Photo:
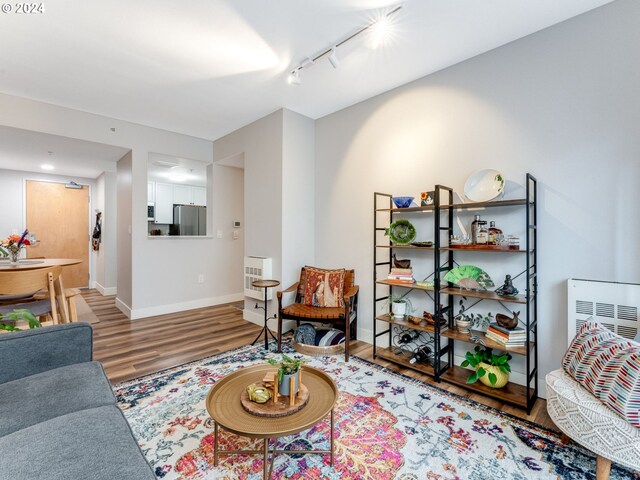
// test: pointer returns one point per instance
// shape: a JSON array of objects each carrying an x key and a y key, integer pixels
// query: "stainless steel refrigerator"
[{"x": 189, "y": 220}]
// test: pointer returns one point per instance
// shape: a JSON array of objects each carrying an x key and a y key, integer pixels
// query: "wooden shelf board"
[
  {"x": 483, "y": 249},
  {"x": 407, "y": 210},
  {"x": 404, "y": 285},
  {"x": 499, "y": 203},
  {"x": 464, "y": 337},
  {"x": 403, "y": 360},
  {"x": 405, "y": 246},
  {"x": 512, "y": 393},
  {"x": 423, "y": 326},
  {"x": 485, "y": 295}
]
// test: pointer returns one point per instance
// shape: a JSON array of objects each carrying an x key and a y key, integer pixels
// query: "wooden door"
[{"x": 59, "y": 217}]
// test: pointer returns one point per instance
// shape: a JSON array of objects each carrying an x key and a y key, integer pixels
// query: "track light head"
[
  {"x": 294, "y": 77},
  {"x": 333, "y": 58}
]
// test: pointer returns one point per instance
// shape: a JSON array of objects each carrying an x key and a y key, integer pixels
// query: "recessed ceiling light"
[{"x": 47, "y": 166}]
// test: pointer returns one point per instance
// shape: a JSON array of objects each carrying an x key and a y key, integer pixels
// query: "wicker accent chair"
[{"x": 345, "y": 319}]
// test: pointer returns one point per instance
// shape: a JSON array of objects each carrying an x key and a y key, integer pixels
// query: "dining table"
[{"x": 37, "y": 263}]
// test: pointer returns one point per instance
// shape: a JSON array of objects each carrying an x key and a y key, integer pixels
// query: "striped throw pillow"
[{"x": 608, "y": 366}]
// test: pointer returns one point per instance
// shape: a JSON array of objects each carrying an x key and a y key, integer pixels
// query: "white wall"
[
  {"x": 12, "y": 217},
  {"x": 162, "y": 280},
  {"x": 563, "y": 104},
  {"x": 278, "y": 153},
  {"x": 106, "y": 257},
  {"x": 298, "y": 195},
  {"x": 124, "y": 188}
]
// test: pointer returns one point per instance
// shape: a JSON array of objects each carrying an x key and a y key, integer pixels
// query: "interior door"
[{"x": 59, "y": 217}]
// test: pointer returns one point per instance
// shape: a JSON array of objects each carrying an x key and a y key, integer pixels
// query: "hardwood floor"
[{"x": 129, "y": 349}]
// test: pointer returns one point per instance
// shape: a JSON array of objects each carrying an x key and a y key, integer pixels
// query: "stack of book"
[
  {"x": 401, "y": 276},
  {"x": 507, "y": 338}
]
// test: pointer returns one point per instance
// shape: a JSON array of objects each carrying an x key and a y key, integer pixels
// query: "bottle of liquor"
[
  {"x": 474, "y": 229},
  {"x": 408, "y": 337},
  {"x": 493, "y": 233},
  {"x": 422, "y": 355},
  {"x": 482, "y": 237}
]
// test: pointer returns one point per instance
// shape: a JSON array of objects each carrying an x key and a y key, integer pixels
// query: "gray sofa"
[{"x": 58, "y": 414}]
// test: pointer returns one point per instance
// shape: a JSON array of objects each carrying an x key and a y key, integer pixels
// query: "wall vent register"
[{"x": 257, "y": 268}]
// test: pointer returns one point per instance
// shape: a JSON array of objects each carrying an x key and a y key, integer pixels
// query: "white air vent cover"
[
  {"x": 614, "y": 305},
  {"x": 257, "y": 268}
]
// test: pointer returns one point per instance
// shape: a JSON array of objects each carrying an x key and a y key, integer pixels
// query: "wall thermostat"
[{"x": 236, "y": 224}]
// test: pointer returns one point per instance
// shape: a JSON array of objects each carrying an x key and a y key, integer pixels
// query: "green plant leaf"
[
  {"x": 506, "y": 367},
  {"x": 481, "y": 372},
  {"x": 472, "y": 378},
  {"x": 465, "y": 364},
  {"x": 493, "y": 378}
]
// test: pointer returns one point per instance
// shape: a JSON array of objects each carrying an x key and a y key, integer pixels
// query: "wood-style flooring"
[{"x": 129, "y": 349}]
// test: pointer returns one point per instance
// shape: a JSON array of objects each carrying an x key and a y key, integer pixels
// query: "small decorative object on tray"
[
  {"x": 415, "y": 320},
  {"x": 401, "y": 232},
  {"x": 425, "y": 284},
  {"x": 402, "y": 202},
  {"x": 462, "y": 324},
  {"x": 258, "y": 394},
  {"x": 469, "y": 277},
  {"x": 279, "y": 405},
  {"x": 507, "y": 322},
  {"x": 427, "y": 198},
  {"x": 422, "y": 244},
  {"x": 507, "y": 289},
  {"x": 429, "y": 318}
]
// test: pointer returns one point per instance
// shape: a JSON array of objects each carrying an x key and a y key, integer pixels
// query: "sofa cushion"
[
  {"x": 323, "y": 288},
  {"x": 608, "y": 366},
  {"x": 49, "y": 394},
  {"x": 92, "y": 444}
]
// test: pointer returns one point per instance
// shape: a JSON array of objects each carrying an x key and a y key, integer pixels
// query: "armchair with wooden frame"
[{"x": 344, "y": 318}]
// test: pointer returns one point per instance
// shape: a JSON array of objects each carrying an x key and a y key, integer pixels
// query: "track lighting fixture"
[
  {"x": 333, "y": 58},
  {"x": 379, "y": 28}
]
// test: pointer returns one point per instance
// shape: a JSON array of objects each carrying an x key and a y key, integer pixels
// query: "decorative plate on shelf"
[
  {"x": 469, "y": 277},
  {"x": 484, "y": 185},
  {"x": 422, "y": 244},
  {"x": 401, "y": 232}
]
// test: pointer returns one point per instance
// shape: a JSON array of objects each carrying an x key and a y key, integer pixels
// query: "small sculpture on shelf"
[
  {"x": 401, "y": 263},
  {"x": 508, "y": 322},
  {"x": 507, "y": 289}
]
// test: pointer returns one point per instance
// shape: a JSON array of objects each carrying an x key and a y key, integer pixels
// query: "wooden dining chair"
[{"x": 18, "y": 283}]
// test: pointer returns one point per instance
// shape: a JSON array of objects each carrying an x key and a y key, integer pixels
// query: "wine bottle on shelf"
[
  {"x": 482, "y": 236},
  {"x": 474, "y": 229},
  {"x": 421, "y": 355},
  {"x": 408, "y": 337},
  {"x": 493, "y": 233}
]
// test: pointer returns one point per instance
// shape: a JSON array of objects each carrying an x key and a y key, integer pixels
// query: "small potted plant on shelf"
[
  {"x": 401, "y": 305},
  {"x": 287, "y": 368},
  {"x": 8, "y": 321},
  {"x": 492, "y": 370}
]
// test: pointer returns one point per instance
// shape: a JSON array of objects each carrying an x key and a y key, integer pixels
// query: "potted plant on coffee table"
[
  {"x": 287, "y": 368},
  {"x": 492, "y": 370}
]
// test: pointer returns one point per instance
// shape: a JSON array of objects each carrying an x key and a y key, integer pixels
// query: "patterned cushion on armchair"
[{"x": 608, "y": 366}]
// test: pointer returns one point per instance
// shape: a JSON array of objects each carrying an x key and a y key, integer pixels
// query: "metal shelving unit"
[{"x": 442, "y": 296}]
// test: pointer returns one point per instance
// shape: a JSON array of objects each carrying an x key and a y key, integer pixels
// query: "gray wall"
[{"x": 563, "y": 103}]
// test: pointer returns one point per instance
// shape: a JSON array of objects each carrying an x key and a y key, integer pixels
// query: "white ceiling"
[
  {"x": 27, "y": 151},
  {"x": 208, "y": 67},
  {"x": 170, "y": 169}
]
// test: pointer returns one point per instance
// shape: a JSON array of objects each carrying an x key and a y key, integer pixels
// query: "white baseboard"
[
  {"x": 105, "y": 290},
  {"x": 183, "y": 306},
  {"x": 123, "y": 307}
]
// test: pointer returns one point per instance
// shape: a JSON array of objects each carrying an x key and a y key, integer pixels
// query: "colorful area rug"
[{"x": 388, "y": 426}]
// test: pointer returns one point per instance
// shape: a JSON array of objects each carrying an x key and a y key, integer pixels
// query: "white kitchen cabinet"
[
  {"x": 164, "y": 203},
  {"x": 199, "y": 196},
  {"x": 182, "y": 195},
  {"x": 151, "y": 192}
]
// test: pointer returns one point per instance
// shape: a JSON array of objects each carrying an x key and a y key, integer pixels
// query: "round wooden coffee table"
[{"x": 223, "y": 404}]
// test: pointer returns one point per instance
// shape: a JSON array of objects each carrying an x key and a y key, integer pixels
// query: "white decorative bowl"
[{"x": 484, "y": 185}]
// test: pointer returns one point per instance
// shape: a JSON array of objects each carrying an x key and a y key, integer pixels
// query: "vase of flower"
[
  {"x": 14, "y": 255},
  {"x": 13, "y": 244}
]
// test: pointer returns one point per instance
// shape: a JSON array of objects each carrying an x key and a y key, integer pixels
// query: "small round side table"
[{"x": 266, "y": 284}]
